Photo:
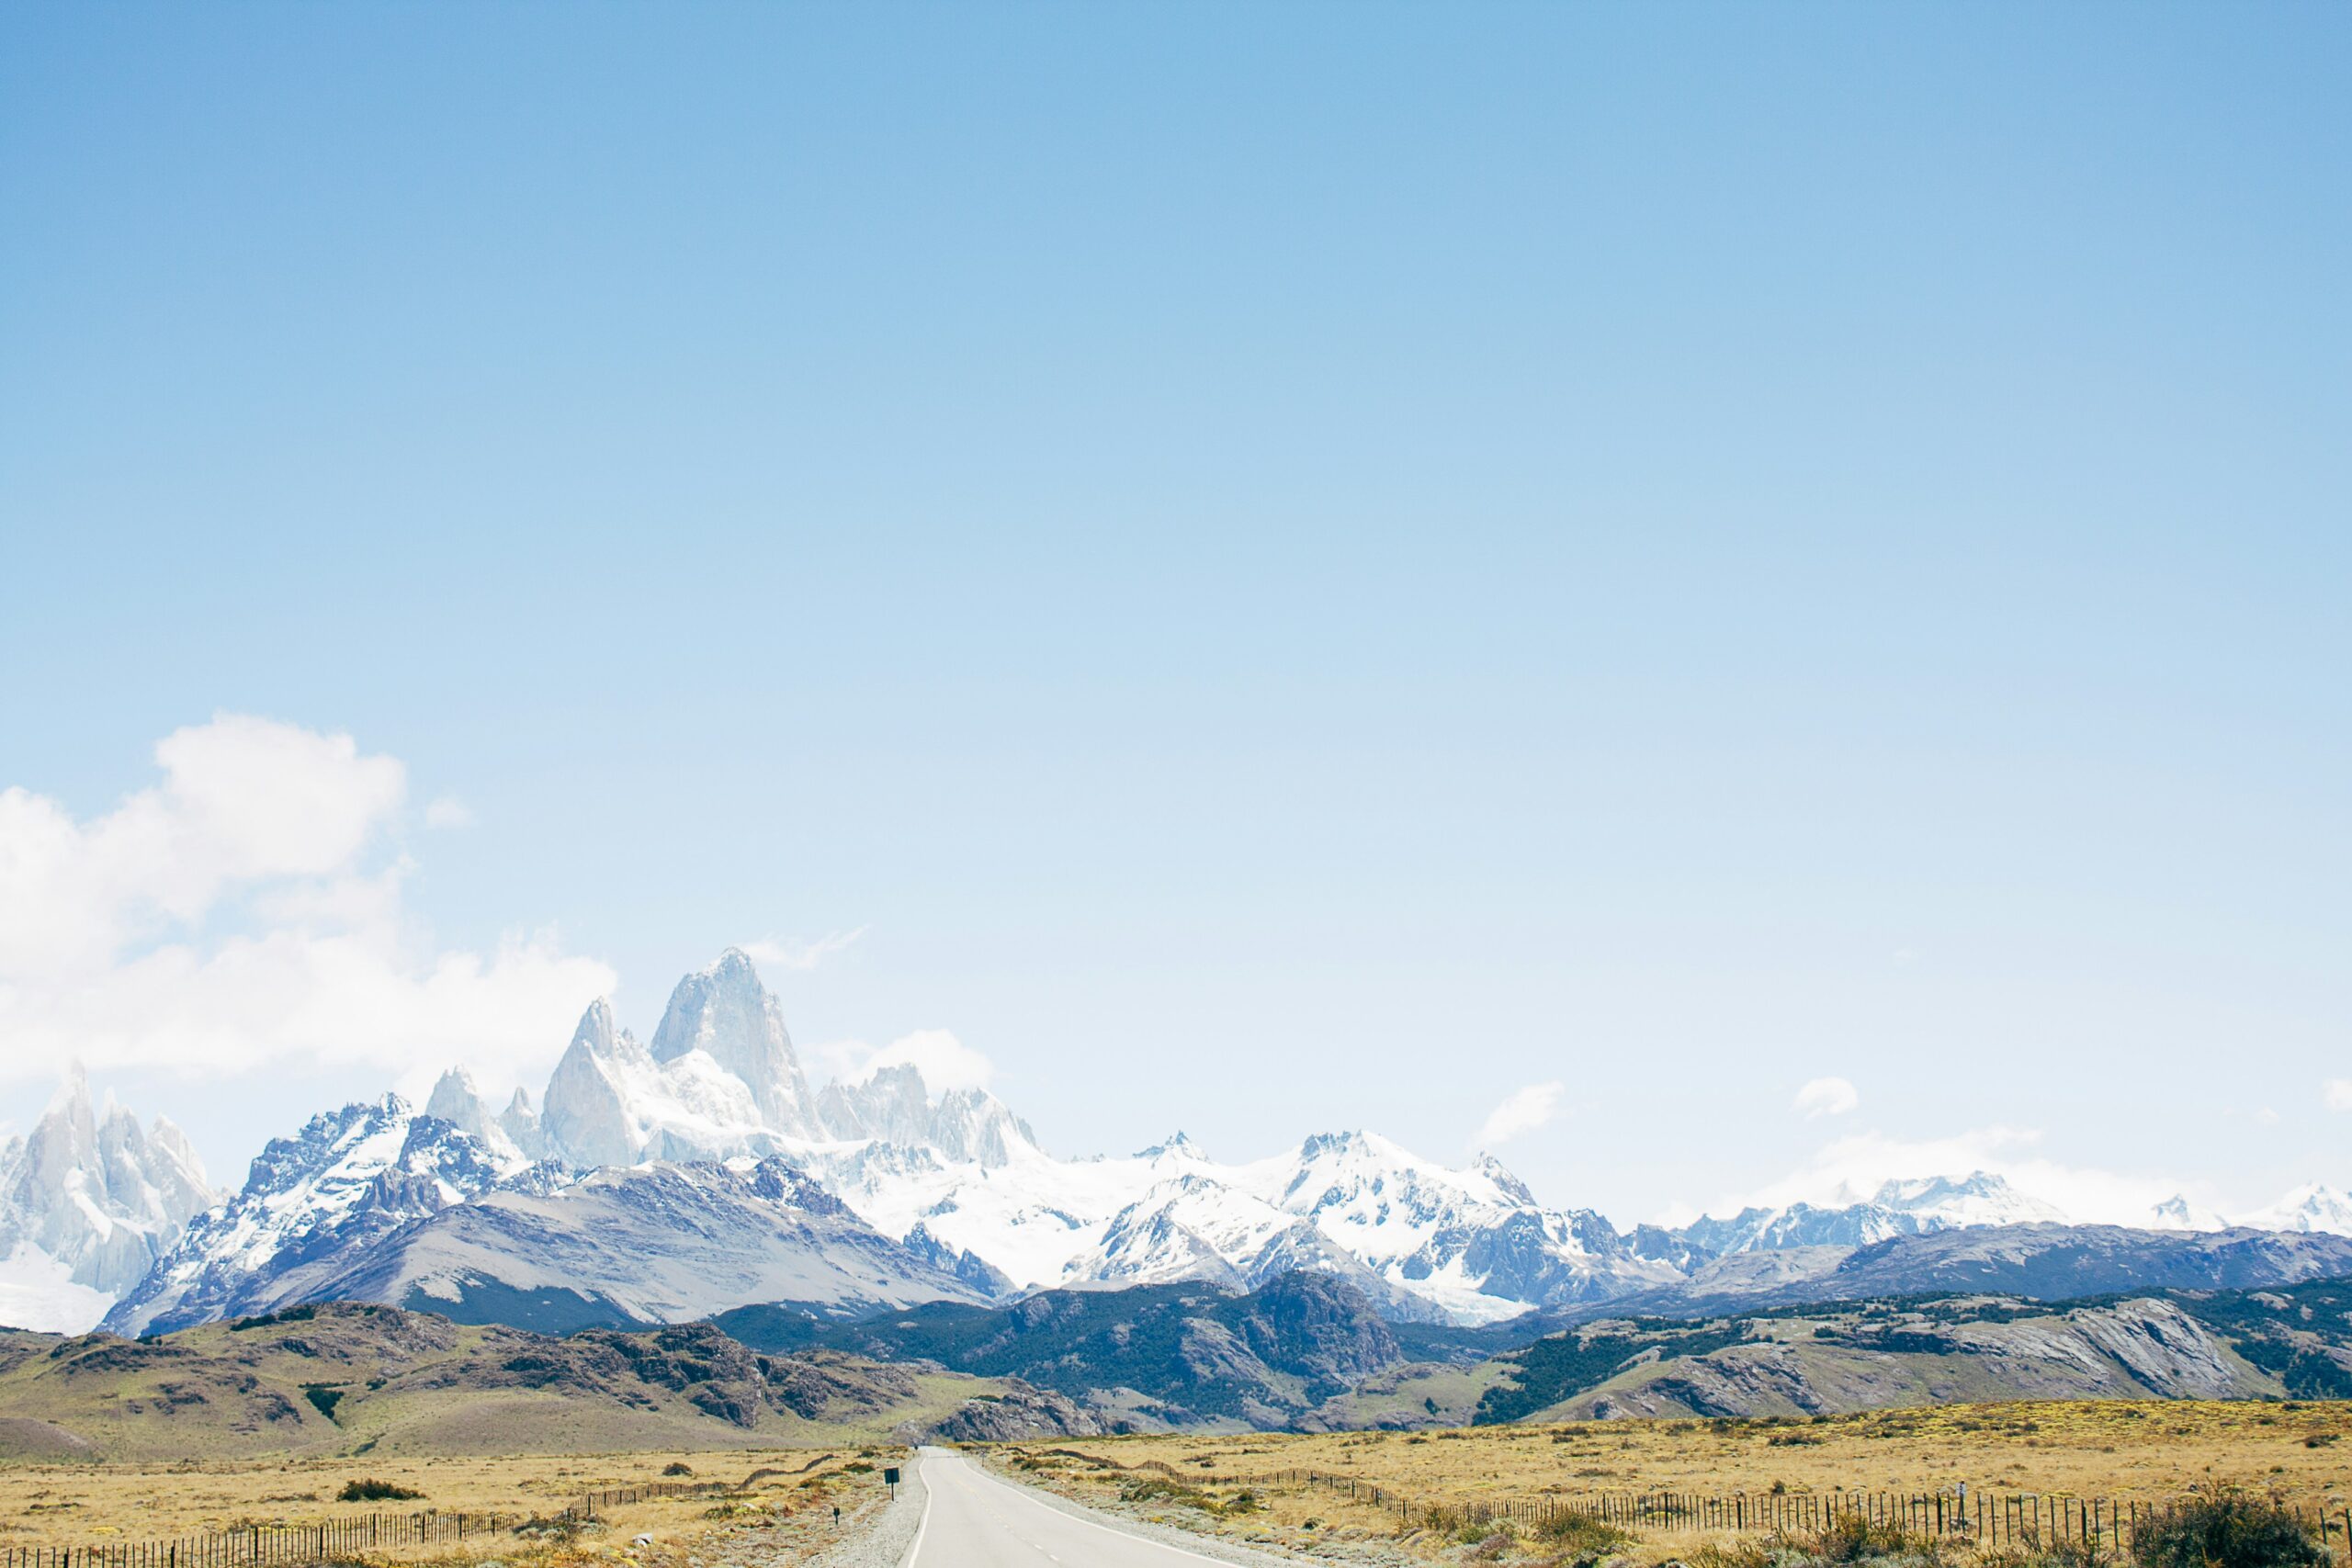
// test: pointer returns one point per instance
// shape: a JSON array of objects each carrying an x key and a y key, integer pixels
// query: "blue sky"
[{"x": 1286, "y": 567}]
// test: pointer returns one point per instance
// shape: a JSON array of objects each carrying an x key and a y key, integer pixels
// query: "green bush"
[
  {"x": 2228, "y": 1529},
  {"x": 375, "y": 1492}
]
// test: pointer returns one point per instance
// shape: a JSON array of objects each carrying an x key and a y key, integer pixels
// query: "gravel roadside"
[{"x": 881, "y": 1535}]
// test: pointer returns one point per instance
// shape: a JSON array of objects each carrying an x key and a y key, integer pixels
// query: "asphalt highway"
[{"x": 974, "y": 1520}]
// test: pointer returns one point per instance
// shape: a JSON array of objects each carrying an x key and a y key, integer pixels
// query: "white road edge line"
[
  {"x": 1028, "y": 1495},
  {"x": 920, "y": 1525}
]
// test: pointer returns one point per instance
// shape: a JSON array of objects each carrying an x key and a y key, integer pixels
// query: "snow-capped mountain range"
[
  {"x": 1898, "y": 1208},
  {"x": 673, "y": 1179}
]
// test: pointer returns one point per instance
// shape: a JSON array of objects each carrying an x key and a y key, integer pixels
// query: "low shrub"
[
  {"x": 2058, "y": 1553},
  {"x": 373, "y": 1491},
  {"x": 1851, "y": 1538},
  {"x": 1582, "y": 1536},
  {"x": 1156, "y": 1489},
  {"x": 2227, "y": 1529},
  {"x": 1850, "y": 1542}
]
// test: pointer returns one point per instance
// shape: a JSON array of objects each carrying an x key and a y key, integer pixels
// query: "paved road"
[{"x": 974, "y": 1520}]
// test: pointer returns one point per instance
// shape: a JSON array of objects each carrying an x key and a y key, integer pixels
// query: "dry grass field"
[
  {"x": 90, "y": 1505},
  {"x": 2143, "y": 1451}
]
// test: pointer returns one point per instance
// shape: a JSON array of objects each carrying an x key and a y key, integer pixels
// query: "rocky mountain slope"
[
  {"x": 1834, "y": 1357},
  {"x": 656, "y": 1244},
  {"x": 380, "y": 1203},
  {"x": 1319, "y": 1357},
  {"x": 1860, "y": 1360},
  {"x": 354, "y": 1379},
  {"x": 1308, "y": 1352},
  {"x": 1156, "y": 1356},
  {"x": 2047, "y": 1262},
  {"x": 312, "y": 1204}
]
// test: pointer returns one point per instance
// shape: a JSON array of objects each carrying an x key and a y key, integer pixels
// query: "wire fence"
[
  {"x": 1989, "y": 1519},
  {"x": 259, "y": 1546}
]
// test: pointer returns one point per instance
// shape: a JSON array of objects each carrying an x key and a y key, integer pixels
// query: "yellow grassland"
[
  {"x": 2146, "y": 1451},
  {"x": 787, "y": 1509}
]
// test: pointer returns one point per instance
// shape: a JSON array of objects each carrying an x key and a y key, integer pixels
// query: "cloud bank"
[{"x": 245, "y": 911}]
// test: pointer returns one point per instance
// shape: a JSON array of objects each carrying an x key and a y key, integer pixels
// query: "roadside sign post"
[{"x": 890, "y": 1479}]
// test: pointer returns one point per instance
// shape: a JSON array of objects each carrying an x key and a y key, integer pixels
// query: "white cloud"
[
  {"x": 1522, "y": 1111},
  {"x": 1826, "y": 1096},
  {"x": 448, "y": 811},
  {"x": 2337, "y": 1093},
  {"x": 243, "y": 801},
  {"x": 790, "y": 954},
  {"x": 246, "y": 913},
  {"x": 945, "y": 1061}
]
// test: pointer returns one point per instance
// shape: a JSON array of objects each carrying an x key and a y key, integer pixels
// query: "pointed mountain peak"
[
  {"x": 1321, "y": 1144},
  {"x": 725, "y": 1013},
  {"x": 596, "y": 1035},
  {"x": 1504, "y": 1177},
  {"x": 73, "y": 1096},
  {"x": 2177, "y": 1214},
  {"x": 455, "y": 1086},
  {"x": 735, "y": 966},
  {"x": 457, "y": 1101}
]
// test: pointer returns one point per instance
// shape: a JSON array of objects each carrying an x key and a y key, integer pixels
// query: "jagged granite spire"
[
  {"x": 895, "y": 1105},
  {"x": 725, "y": 1013},
  {"x": 587, "y": 1117},
  {"x": 95, "y": 1193}
]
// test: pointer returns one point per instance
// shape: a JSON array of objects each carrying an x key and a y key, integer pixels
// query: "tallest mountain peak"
[{"x": 725, "y": 1013}]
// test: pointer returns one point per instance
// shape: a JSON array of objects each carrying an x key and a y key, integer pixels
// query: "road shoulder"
[{"x": 884, "y": 1537}]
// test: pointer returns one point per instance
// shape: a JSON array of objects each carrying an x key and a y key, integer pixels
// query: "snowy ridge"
[
  {"x": 658, "y": 1243},
  {"x": 1898, "y": 1208},
  {"x": 2314, "y": 1208},
  {"x": 349, "y": 1177}
]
